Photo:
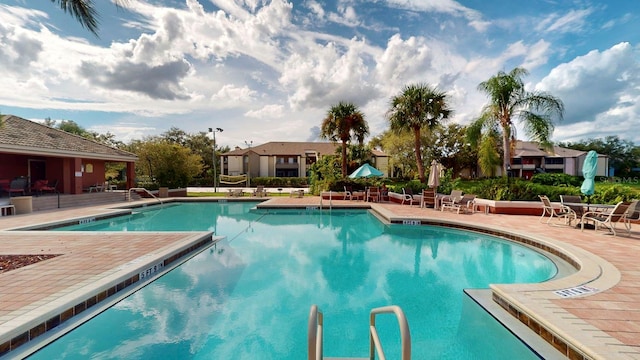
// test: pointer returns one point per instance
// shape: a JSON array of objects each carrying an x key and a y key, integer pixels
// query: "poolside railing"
[
  {"x": 144, "y": 190},
  {"x": 316, "y": 324}
]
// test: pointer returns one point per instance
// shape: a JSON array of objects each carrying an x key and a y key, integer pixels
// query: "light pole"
[
  {"x": 248, "y": 143},
  {"x": 213, "y": 132}
]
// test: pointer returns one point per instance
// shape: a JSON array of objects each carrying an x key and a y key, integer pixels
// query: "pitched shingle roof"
[
  {"x": 288, "y": 148},
  {"x": 281, "y": 148},
  {"x": 21, "y": 136},
  {"x": 533, "y": 149}
]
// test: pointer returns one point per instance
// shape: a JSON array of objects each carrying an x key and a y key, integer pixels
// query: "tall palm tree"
[
  {"x": 509, "y": 100},
  {"x": 418, "y": 106},
  {"x": 84, "y": 11},
  {"x": 344, "y": 122}
]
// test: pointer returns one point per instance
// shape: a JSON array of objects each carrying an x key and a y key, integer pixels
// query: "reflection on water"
[{"x": 249, "y": 297}]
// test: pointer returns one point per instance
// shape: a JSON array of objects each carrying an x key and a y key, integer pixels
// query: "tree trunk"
[
  {"x": 416, "y": 132},
  {"x": 506, "y": 145},
  {"x": 344, "y": 159}
]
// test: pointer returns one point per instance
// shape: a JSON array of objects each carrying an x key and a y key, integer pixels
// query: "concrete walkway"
[{"x": 601, "y": 323}]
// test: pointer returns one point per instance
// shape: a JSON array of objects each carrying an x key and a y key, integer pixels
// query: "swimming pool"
[{"x": 249, "y": 296}]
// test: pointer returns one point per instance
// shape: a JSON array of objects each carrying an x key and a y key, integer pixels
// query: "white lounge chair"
[{"x": 465, "y": 204}]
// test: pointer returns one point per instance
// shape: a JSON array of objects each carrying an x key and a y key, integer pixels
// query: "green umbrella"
[
  {"x": 366, "y": 170},
  {"x": 589, "y": 172}
]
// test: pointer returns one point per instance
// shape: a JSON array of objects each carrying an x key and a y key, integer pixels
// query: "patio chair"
[
  {"x": 465, "y": 204},
  {"x": 606, "y": 219},
  {"x": 564, "y": 212},
  {"x": 259, "y": 191},
  {"x": 18, "y": 186},
  {"x": 407, "y": 196},
  {"x": 50, "y": 186},
  {"x": 373, "y": 194},
  {"x": 347, "y": 193},
  {"x": 428, "y": 198},
  {"x": 573, "y": 202},
  {"x": 632, "y": 214}
]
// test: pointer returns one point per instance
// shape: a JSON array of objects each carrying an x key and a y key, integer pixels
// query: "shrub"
[
  {"x": 275, "y": 182},
  {"x": 557, "y": 179}
]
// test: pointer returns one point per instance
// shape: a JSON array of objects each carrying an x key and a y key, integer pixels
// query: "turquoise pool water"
[{"x": 249, "y": 296}]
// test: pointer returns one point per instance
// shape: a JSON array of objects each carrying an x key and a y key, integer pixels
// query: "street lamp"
[
  {"x": 248, "y": 143},
  {"x": 213, "y": 132}
]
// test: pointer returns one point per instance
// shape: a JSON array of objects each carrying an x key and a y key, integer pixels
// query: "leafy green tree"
[
  {"x": 418, "y": 106},
  {"x": 324, "y": 173},
  {"x": 623, "y": 154},
  {"x": 343, "y": 123},
  {"x": 510, "y": 101},
  {"x": 399, "y": 147},
  {"x": 169, "y": 164},
  {"x": 448, "y": 145}
]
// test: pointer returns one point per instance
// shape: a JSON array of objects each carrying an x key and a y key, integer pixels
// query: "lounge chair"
[
  {"x": 453, "y": 197},
  {"x": 259, "y": 191},
  {"x": 606, "y": 219},
  {"x": 236, "y": 193},
  {"x": 428, "y": 198},
  {"x": 564, "y": 212},
  {"x": 465, "y": 204},
  {"x": 632, "y": 214}
]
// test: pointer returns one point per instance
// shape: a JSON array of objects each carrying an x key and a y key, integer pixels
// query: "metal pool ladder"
[
  {"x": 142, "y": 189},
  {"x": 315, "y": 329}
]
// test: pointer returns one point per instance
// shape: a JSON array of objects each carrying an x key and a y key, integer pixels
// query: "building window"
[{"x": 554, "y": 161}]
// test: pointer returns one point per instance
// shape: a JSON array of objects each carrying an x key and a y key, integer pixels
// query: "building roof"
[
  {"x": 533, "y": 149},
  {"x": 282, "y": 148},
  {"x": 22, "y": 136}
]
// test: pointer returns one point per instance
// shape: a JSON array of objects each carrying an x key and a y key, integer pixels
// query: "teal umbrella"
[
  {"x": 589, "y": 172},
  {"x": 366, "y": 171}
]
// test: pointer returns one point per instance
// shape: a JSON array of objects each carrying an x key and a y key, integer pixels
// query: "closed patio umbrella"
[
  {"x": 366, "y": 171},
  {"x": 434, "y": 175},
  {"x": 589, "y": 172}
]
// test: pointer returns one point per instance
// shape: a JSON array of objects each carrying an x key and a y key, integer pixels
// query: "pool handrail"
[
  {"x": 315, "y": 331},
  {"x": 142, "y": 189},
  {"x": 314, "y": 334},
  {"x": 405, "y": 334}
]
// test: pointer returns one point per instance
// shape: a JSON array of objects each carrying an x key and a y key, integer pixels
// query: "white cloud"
[
  {"x": 573, "y": 21},
  {"x": 272, "y": 111},
  {"x": 599, "y": 89},
  {"x": 449, "y": 7},
  {"x": 231, "y": 94}
]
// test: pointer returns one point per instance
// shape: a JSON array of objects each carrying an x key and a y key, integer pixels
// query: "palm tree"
[
  {"x": 509, "y": 100},
  {"x": 84, "y": 12},
  {"x": 419, "y": 106},
  {"x": 344, "y": 122}
]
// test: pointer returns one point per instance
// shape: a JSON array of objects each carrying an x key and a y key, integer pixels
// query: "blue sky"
[{"x": 269, "y": 70}]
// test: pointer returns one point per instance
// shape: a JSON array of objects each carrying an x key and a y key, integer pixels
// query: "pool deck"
[{"x": 602, "y": 324}]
